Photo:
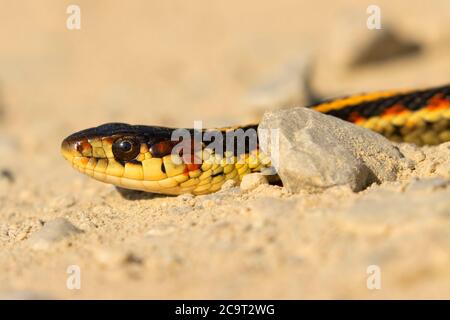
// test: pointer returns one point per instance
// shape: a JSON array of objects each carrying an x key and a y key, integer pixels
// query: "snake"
[{"x": 148, "y": 158}]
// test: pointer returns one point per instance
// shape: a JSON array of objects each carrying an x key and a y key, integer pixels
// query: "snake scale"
[{"x": 147, "y": 158}]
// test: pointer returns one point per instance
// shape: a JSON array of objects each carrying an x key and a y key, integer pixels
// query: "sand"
[{"x": 173, "y": 63}]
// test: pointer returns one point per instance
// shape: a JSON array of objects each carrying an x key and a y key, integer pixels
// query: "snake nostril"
[
  {"x": 79, "y": 147},
  {"x": 83, "y": 147},
  {"x": 70, "y": 149}
]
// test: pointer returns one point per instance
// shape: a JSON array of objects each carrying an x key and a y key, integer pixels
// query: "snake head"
[
  {"x": 160, "y": 159},
  {"x": 133, "y": 157}
]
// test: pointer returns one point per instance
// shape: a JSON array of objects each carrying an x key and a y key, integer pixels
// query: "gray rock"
[
  {"x": 252, "y": 181},
  {"x": 317, "y": 151},
  {"x": 52, "y": 231}
]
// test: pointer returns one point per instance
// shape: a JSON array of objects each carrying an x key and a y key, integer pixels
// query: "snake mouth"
[
  {"x": 69, "y": 150},
  {"x": 77, "y": 153},
  {"x": 84, "y": 152}
]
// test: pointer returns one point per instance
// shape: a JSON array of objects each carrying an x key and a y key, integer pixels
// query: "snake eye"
[{"x": 126, "y": 148}]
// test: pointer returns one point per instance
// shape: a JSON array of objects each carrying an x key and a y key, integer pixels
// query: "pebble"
[
  {"x": 52, "y": 232},
  {"x": 252, "y": 181},
  {"x": 185, "y": 197},
  {"x": 317, "y": 151},
  {"x": 227, "y": 185}
]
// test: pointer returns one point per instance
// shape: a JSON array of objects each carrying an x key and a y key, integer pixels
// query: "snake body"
[{"x": 148, "y": 158}]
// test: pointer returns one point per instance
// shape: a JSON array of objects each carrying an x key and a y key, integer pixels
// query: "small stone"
[
  {"x": 227, "y": 185},
  {"x": 52, "y": 232},
  {"x": 252, "y": 181},
  {"x": 185, "y": 197},
  {"x": 316, "y": 151}
]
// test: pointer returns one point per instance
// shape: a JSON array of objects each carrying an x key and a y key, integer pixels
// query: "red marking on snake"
[
  {"x": 192, "y": 163},
  {"x": 395, "y": 110},
  {"x": 355, "y": 117},
  {"x": 438, "y": 103}
]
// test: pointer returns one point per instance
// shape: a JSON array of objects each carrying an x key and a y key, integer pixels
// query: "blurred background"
[{"x": 170, "y": 63}]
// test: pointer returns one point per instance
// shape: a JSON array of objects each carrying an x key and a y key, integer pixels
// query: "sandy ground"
[{"x": 173, "y": 62}]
